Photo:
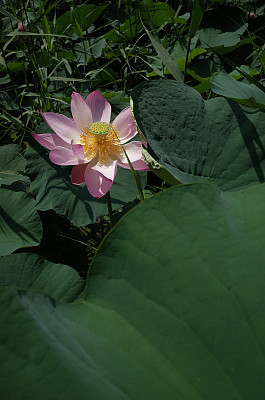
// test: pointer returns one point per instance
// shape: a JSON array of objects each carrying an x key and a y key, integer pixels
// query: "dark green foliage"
[{"x": 169, "y": 304}]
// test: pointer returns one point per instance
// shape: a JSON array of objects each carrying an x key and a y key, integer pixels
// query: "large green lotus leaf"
[
  {"x": 54, "y": 191},
  {"x": 215, "y": 38},
  {"x": 20, "y": 224},
  {"x": 12, "y": 164},
  {"x": 30, "y": 271},
  {"x": 174, "y": 309},
  {"x": 247, "y": 94},
  {"x": 155, "y": 14},
  {"x": 217, "y": 140},
  {"x": 84, "y": 14}
]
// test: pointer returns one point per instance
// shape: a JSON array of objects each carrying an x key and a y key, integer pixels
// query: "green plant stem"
[
  {"x": 186, "y": 61},
  {"x": 135, "y": 177},
  {"x": 110, "y": 209}
]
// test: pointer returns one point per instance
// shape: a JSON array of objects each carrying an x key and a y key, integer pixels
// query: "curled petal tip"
[{"x": 43, "y": 115}]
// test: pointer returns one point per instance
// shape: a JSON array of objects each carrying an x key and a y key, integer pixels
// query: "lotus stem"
[{"x": 110, "y": 209}]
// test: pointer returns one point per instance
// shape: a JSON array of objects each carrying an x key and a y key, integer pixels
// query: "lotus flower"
[
  {"x": 91, "y": 143},
  {"x": 22, "y": 28}
]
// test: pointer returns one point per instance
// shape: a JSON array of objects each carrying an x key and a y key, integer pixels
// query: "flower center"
[
  {"x": 99, "y": 128},
  {"x": 100, "y": 139}
]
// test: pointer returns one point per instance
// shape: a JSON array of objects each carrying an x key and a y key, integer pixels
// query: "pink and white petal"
[
  {"x": 133, "y": 151},
  {"x": 65, "y": 127},
  {"x": 125, "y": 125},
  {"x": 99, "y": 106},
  {"x": 63, "y": 156},
  {"x": 78, "y": 174},
  {"x": 50, "y": 140},
  {"x": 139, "y": 165},
  {"x": 96, "y": 183},
  {"x": 107, "y": 171},
  {"x": 81, "y": 111},
  {"x": 78, "y": 150}
]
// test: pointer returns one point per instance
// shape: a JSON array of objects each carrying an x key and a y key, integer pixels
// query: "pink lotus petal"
[
  {"x": 21, "y": 27},
  {"x": 78, "y": 151},
  {"x": 63, "y": 126},
  {"x": 139, "y": 165},
  {"x": 81, "y": 111},
  {"x": 107, "y": 171},
  {"x": 96, "y": 183},
  {"x": 78, "y": 174},
  {"x": 63, "y": 156},
  {"x": 134, "y": 153},
  {"x": 99, "y": 106},
  {"x": 50, "y": 140},
  {"x": 125, "y": 125}
]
